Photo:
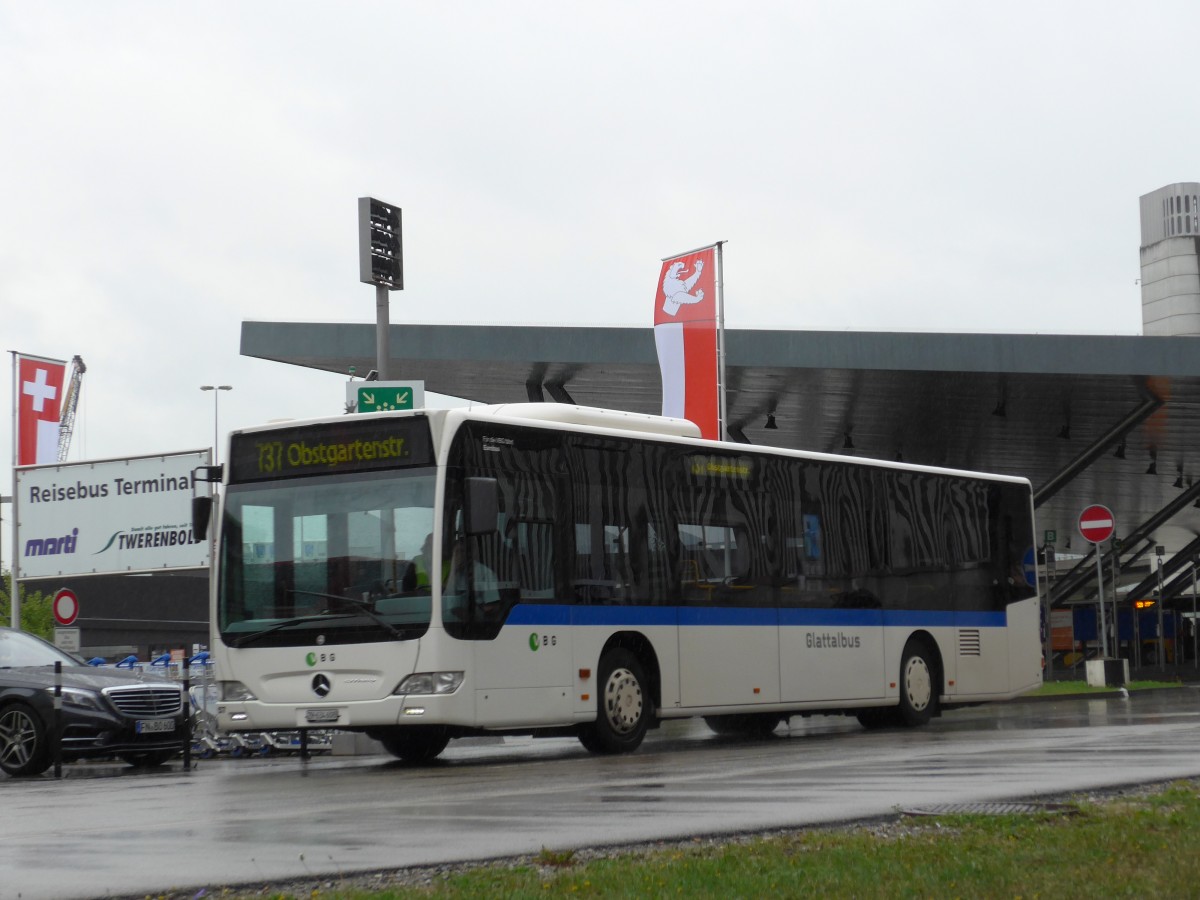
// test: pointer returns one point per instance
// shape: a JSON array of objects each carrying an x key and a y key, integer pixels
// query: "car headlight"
[
  {"x": 430, "y": 683},
  {"x": 79, "y": 698},
  {"x": 234, "y": 691}
]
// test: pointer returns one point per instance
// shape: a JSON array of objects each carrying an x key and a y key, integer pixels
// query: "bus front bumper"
[{"x": 414, "y": 709}]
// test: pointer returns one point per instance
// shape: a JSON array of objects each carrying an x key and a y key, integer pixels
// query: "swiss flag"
[{"x": 39, "y": 407}]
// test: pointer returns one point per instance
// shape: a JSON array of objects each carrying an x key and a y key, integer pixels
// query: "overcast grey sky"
[{"x": 168, "y": 170}]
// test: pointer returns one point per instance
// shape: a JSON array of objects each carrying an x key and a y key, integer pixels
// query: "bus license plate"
[
  {"x": 155, "y": 726},
  {"x": 320, "y": 715}
]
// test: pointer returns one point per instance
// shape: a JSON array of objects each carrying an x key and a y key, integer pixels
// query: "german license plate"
[
  {"x": 320, "y": 715},
  {"x": 155, "y": 726}
]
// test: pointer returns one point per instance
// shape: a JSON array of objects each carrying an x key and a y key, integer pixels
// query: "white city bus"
[{"x": 558, "y": 570}]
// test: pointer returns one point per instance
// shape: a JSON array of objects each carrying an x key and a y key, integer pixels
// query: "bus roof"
[{"x": 567, "y": 415}]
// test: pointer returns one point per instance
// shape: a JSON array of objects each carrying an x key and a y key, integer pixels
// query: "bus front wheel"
[
  {"x": 918, "y": 685},
  {"x": 416, "y": 744},
  {"x": 623, "y": 705}
]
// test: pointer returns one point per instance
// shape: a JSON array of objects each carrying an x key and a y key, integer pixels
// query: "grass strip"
[
  {"x": 1071, "y": 688},
  {"x": 1142, "y": 844}
]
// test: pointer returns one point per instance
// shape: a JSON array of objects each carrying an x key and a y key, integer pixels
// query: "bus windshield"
[{"x": 341, "y": 555}]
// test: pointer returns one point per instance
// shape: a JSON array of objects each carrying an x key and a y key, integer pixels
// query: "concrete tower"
[{"x": 1171, "y": 260}]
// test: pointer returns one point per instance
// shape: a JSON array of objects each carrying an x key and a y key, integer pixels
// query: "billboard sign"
[{"x": 107, "y": 517}]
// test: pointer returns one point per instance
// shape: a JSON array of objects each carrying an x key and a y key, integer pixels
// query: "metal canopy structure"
[{"x": 1087, "y": 419}]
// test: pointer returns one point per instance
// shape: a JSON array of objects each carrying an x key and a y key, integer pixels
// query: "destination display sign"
[
  {"x": 734, "y": 468},
  {"x": 352, "y": 445}
]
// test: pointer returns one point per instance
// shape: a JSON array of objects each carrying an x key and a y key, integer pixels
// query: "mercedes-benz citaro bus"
[{"x": 550, "y": 569}]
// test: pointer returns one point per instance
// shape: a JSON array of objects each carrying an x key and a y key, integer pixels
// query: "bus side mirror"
[
  {"x": 202, "y": 506},
  {"x": 482, "y": 502},
  {"x": 201, "y": 513}
]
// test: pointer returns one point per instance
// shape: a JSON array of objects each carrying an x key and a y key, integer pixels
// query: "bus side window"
[
  {"x": 602, "y": 564},
  {"x": 716, "y": 564},
  {"x": 533, "y": 553}
]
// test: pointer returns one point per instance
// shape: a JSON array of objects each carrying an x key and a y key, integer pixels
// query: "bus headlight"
[
  {"x": 234, "y": 691},
  {"x": 430, "y": 683}
]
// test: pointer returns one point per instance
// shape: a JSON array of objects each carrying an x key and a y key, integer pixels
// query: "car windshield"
[
  {"x": 18, "y": 649},
  {"x": 341, "y": 554}
]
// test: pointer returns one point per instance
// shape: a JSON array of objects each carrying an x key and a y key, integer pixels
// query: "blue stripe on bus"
[
  {"x": 528, "y": 614},
  {"x": 727, "y": 615},
  {"x": 915, "y": 618},
  {"x": 562, "y": 615},
  {"x": 860, "y": 618},
  {"x": 624, "y": 615}
]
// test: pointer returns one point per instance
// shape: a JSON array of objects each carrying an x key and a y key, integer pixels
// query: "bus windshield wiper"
[
  {"x": 361, "y": 605},
  {"x": 286, "y": 623}
]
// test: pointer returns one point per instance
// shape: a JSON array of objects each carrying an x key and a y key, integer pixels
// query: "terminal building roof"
[{"x": 1087, "y": 419}]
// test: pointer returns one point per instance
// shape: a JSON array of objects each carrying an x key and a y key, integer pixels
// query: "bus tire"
[
  {"x": 623, "y": 705},
  {"x": 416, "y": 744},
  {"x": 918, "y": 685},
  {"x": 590, "y": 742}
]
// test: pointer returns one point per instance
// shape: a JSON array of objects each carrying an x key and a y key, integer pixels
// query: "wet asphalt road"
[{"x": 106, "y": 830}]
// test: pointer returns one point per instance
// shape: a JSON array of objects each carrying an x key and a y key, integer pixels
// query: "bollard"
[
  {"x": 58, "y": 725},
  {"x": 187, "y": 716}
]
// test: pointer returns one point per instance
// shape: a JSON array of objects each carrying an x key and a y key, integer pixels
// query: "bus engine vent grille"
[{"x": 968, "y": 642}]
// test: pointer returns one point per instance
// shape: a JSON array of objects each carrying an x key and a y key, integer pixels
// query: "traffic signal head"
[{"x": 380, "y": 249}]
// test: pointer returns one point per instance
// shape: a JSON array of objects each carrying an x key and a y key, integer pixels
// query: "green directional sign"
[
  {"x": 380, "y": 399},
  {"x": 384, "y": 396}
]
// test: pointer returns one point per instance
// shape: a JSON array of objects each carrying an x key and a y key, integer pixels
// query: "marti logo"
[{"x": 52, "y": 546}]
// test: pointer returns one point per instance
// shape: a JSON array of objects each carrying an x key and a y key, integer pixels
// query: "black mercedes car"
[{"x": 105, "y": 712}]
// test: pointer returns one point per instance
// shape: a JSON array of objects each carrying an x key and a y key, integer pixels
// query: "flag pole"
[
  {"x": 722, "y": 432},
  {"x": 13, "y": 398},
  {"x": 14, "y": 602}
]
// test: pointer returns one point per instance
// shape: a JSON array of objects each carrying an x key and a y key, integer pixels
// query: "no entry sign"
[
  {"x": 66, "y": 607},
  {"x": 1096, "y": 524}
]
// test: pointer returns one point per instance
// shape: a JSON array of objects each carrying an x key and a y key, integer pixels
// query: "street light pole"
[{"x": 216, "y": 389}]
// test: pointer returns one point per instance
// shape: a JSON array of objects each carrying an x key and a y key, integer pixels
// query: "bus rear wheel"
[
  {"x": 623, "y": 705},
  {"x": 918, "y": 685},
  {"x": 416, "y": 744}
]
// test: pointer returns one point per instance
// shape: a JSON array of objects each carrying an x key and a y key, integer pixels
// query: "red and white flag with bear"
[{"x": 688, "y": 320}]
